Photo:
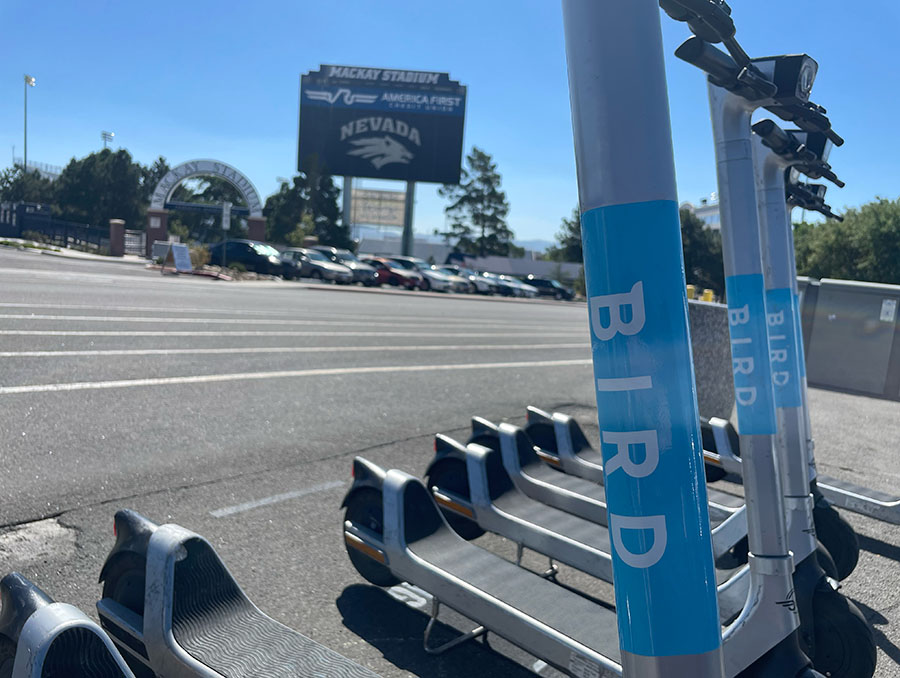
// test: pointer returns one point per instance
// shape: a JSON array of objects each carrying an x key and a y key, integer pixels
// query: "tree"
[
  {"x": 19, "y": 186},
  {"x": 478, "y": 209},
  {"x": 152, "y": 175},
  {"x": 569, "y": 238},
  {"x": 102, "y": 186},
  {"x": 702, "y": 248},
  {"x": 308, "y": 205},
  {"x": 205, "y": 190},
  {"x": 865, "y": 246}
]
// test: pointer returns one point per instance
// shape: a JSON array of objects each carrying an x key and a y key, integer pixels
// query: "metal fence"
[{"x": 32, "y": 221}]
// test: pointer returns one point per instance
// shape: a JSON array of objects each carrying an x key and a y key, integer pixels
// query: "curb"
[{"x": 97, "y": 258}]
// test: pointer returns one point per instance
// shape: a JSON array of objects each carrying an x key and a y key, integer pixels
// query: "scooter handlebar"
[
  {"x": 783, "y": 143},
  {"x": 708, "y": 19},
  {"x": 746, "y": 82}
]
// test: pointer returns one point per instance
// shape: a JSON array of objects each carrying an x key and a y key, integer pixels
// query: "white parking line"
[
  {"x": 268, "y": 333},
  {"x": 157, "y": 320},
  {"x": 274, "y": 499},
  {"x": 242, "y": 311},
  {"x": 279, "y": 374},
  {"x": 284, "y": 349}
]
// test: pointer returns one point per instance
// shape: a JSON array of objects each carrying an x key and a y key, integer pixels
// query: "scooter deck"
[
  {"x": 717, "y": 498},
  {"x": 214, "y": 622},
  {"x": 543, "y": 602},
  {"x": 880, "y": 505}
]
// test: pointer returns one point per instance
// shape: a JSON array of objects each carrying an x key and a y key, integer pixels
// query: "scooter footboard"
[
  {"x": 197, "y": 621},
  {"x": 562, "y": 628},
  {"x": 55, "y": 639}
]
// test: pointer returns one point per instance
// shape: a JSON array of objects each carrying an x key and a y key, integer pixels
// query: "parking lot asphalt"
[{"x": 235, "y": 410}]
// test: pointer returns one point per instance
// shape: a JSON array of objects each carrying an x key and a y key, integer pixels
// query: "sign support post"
[
  {"x": 346, "y": 194},
  {"x": 406, "y": 242}
]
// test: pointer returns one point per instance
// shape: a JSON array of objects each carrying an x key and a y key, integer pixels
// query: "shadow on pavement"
[
  {"x": 395, "y": 629},
  {"x": 878, "y": 547},
  {"x": 876, "y": 619}
]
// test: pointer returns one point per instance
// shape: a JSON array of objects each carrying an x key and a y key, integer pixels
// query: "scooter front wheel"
[
  {"x": 125, "y": 581},
  {"x": 844, "y": 644},
  {"x": 451, "y": 475},
  {"x": 365, "y": 508},
  {"x": 838, "y": 536}
]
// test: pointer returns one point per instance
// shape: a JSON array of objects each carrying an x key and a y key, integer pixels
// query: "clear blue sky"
[{"x": 203, "y": 79}]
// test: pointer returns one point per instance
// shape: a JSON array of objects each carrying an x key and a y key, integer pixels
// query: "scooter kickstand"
[
  {"x": 549, "y": 573},
  {"x": 450, "y": 644}
]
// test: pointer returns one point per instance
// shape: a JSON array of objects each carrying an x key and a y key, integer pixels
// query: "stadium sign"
[{"x": 383, "y": 123}]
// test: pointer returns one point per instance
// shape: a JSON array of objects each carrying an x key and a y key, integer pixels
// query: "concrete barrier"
[{"x": 851, "y": 334}]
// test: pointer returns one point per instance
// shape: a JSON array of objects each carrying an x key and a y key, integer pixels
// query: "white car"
[
  {"x": 477, "y": 282},
  {"x": 521, "y": 289},
  {"x": 433, "y": 278},
  {"x": 459, "y": 282}
]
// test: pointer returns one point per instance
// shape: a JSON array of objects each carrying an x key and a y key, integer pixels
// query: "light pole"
[
  {"x": 107, "y": 137},
  {"x": 29, "y": 82}
]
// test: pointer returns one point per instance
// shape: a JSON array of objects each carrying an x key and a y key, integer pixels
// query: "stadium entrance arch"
[{"x": 160, "y": 202}]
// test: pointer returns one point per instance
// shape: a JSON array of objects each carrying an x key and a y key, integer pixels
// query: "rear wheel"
[
  {"x": 844, "y": 644},
  {"x": 826, "y": 562},
  {"x": 316, "y": 275},
  {"x": 450, "y": 475},
  {"x": 424, "y": 285},
  {"x": 366, "y": 509},
  {"x": 7, "y": 656},
  {"x": 125, "y": 581},
  {"x": 838, "y": 536}
]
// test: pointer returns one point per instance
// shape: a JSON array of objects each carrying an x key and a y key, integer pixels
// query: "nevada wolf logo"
[{"x": 381, "y": 151}]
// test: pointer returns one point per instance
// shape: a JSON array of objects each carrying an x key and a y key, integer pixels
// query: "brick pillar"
[
  {"x": 157, "y": 228},
  {"x": 116, "y": 237},
  {"x": 256, "y": 228}
]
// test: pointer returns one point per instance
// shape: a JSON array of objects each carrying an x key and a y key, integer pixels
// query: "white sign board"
[
  {"x": 226, "y": 215},
  {"x": 377, "y": 208},
  {"x": 182, "y": 256},
  {"x": 888, "y": 310}
]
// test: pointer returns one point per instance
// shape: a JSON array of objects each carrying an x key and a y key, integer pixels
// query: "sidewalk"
[{"x": 54, "y": 251}]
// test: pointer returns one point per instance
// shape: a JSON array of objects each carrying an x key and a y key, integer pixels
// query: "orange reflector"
[{"x": 361, "y": 546}]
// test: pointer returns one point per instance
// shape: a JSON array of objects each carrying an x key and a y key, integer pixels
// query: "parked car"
[
  {"x": 389, "y": 272},
  {"x": 252, "y": 255},
  {"x": 520, "y": 288},
  {"x": 501, "y": 286},
  {"x": 314, "y": 264},
  {"x": 459, "y": 281},
  {"x": 362, "y": 272},
  {"x": 432, "y": 278},
  {"x": 547, "y": 287},
  {"x": 477, "y": 282}
]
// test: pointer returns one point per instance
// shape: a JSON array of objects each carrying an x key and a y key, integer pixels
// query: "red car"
[{"x": 387, "y": 272}]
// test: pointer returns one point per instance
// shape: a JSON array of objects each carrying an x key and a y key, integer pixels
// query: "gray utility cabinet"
[{"x": 853, "y": 343}]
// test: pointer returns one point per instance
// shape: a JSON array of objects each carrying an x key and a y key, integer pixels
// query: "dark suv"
[
  {"x": 547, "y": 287},
  {"x": 252, "y": 255}
]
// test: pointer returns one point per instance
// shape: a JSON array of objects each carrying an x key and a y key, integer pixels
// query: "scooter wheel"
[
  {"x": 844, "y": 644},
  {"x": 125, "y": 581},
  {"x": 826, "y": 562},
  {"x": 366, "y": 509},
  {"x": 450, "y": 474},
  {"x": 7, "y": 657},
  {"x": 713, "y": 473},
  {"x": 838, "y": 536}
]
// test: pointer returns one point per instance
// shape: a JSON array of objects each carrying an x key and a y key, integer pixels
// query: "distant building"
[{"x": 707, "y": 211}]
